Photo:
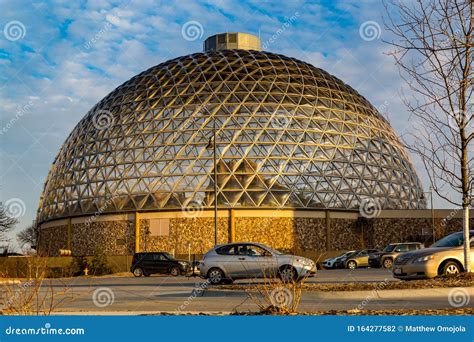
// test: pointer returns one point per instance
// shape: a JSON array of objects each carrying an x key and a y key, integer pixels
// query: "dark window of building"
[
  {"x": 221, "y": 39},
  {"x": 211, "y": 44}
]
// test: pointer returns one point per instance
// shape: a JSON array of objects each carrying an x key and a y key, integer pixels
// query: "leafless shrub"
[
  {"x": 274, "y": 296},
  {"x": 33, "y": 296}
]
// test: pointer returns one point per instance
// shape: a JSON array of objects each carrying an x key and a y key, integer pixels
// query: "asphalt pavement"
[{"x": 154, "y": 294}]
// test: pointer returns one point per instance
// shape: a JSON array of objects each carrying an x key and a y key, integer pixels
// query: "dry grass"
[
  {"x": 461, "y": 280},
  {"x": 404, "y": 312},
  {"x": 30, "y": 297},
  {"x": 425, "y": 312},
  {"x": 274, "y": 295}
]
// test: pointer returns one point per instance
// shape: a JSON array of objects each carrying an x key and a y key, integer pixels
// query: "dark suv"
[
  {"x": 147, "y": 263},
  {"x": 389, "y": 253}
]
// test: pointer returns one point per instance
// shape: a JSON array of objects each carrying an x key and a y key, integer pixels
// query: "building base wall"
[{"x": 282, "y": 229}]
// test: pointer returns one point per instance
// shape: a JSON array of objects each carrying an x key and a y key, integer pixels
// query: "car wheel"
[
  {"x": 174, "y": 271},
  {"x": 216, "y": 276},
  {"x": 351, "y": 264},
  {"x": 388, "y": 263},
  {"x": 287, "y": 274},
  {"x": 451, "y": 268},
  {"x": 138, "y": 272}
]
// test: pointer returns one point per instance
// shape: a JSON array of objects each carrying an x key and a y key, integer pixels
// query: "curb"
[
  {"x": 140, "y": 313},
  {"x": 441, "y": 292},
  {"x": 404, "y": 294},
  {"x": 9, "y": 282}
]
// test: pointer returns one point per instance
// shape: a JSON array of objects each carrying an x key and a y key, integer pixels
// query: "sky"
[{"x": 57, "y": 59}]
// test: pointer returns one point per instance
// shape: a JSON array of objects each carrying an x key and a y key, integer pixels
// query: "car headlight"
[
  {"x": 424, "y": 258},
  {"x": 304, "y": 262},
  {"x": 183, "y": 263}
]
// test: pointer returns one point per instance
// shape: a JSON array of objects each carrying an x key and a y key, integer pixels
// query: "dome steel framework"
[{"x": 288, "y": 135}]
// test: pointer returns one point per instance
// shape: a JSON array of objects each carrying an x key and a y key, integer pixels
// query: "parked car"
[
  {"x": 341, "y": 262},
  {"x": 225, "y": 263},
  {"x": 444, "y": 257},
  {"x": 331, "y": 262},
  {"x": 147, "y": 263},
  {"x": 359, "y": 259},
  {"x": 389, "y": 253}
]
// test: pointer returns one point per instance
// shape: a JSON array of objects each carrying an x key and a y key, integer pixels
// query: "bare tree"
[
  {"x": 433, "y": 47},
  {"x": 28, "y": 236},
  {"x": 6, "y": 223}
]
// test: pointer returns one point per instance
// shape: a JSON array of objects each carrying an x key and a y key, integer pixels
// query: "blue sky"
[{"x": 67, "y": 55}]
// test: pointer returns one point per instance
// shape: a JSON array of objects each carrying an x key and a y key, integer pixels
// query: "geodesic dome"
[{"x": 288, "y": 135}]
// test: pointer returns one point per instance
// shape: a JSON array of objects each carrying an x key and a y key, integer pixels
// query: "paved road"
[{"x": 164, "y": 293}]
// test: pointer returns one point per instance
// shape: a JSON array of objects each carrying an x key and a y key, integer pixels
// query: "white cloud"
[{"x": 53, "y": 67}]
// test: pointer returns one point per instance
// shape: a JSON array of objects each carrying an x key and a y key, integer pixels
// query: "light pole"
[
  {"x": 215, "y": 179},
  {"x": 432, "y": 210},
  {"x": 214, "y": 153}
]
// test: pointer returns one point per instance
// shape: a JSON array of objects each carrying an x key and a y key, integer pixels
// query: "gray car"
[{"x": 244, "y": 260}]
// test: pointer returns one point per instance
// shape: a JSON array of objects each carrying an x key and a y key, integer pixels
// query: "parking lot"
[{"x": 142, "y": 295}]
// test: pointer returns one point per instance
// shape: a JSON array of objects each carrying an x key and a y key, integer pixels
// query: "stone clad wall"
[
  {"x": 199, "y": 232},
  {"x": 383, "y": 231},
  {"x": 52, "y": 239},
  {"x": 114, "y": 237},
  {"x": 345, "y": 234},
  {"x": 286, "y": 233},
  {"x": 278, "y": 232},
  {"x": 310, "y": 234}
]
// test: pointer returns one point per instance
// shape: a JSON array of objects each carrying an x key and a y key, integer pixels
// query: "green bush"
[{"x": 99, "y": 265}]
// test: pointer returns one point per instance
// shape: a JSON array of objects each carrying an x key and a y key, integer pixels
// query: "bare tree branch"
[{"x": 433, "y": 48}]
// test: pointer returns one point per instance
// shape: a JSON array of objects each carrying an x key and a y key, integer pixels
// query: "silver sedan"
[{"x": 225, "y": 263}]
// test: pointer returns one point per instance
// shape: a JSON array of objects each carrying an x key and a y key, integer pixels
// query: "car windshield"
[
  {"x": 389, "y": 248},
  {"x": 453, "y": 240},
  {"x": 169, "y": 256},
  {"x": 351, "y": 254}
]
